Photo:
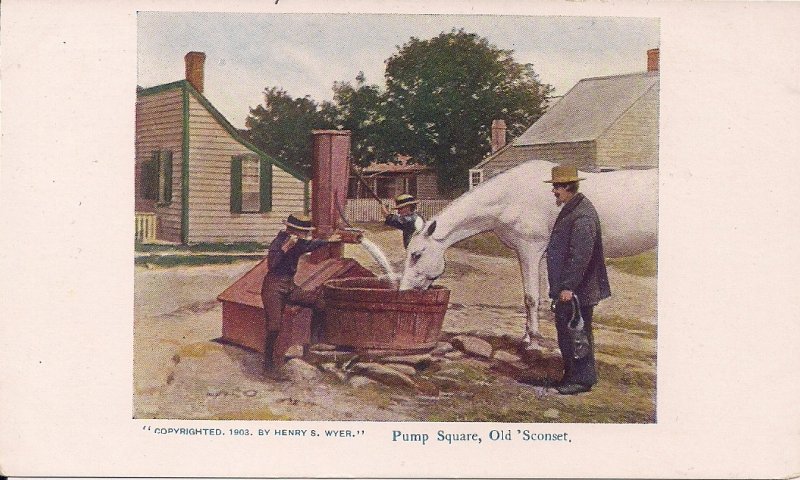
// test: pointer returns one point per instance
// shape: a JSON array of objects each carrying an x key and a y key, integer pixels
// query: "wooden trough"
[{"x": 370, "y": 314}]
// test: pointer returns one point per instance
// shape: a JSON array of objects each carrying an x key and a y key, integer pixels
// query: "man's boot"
[{"x": 269, "y": 350}]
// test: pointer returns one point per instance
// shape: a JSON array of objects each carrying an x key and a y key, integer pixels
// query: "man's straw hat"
[
  {"x": 564, "y": 174},
  {"x": 299, "y": 222},
  {"x": 404, "y": 200}
]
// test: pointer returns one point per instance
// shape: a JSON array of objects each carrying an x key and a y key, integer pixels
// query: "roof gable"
[
  {"x": 493, "y": 155},
  {"x": 588, "y": 109},
  {"x": 232, "y": 131},
  {"x": 402, "y": 166},
  {"x": 159, "y": 88}
]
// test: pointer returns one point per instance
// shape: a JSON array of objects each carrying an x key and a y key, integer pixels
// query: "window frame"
[
  {"x": 264, "y": 184},
  {"x": 472, "y": 173},
  {"x": 411, "y": 185},
  {"x": 385, "y": 187},
  {"x": 157, "y": 169},
  {"x": 257, "y": 161}
]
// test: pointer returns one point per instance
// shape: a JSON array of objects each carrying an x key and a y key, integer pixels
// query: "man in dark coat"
[
  {"x": 406, "y": 218},
  {"x": 575, "y": 268},
  {"x": 282, "y": 258}
]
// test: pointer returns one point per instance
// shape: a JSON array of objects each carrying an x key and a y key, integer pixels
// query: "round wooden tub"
[{"x": 369, "y": 314}]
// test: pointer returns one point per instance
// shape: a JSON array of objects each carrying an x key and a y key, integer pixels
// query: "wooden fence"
[
  {"x": 364, "y": 210},
  {"x": 146, "y": 227}
]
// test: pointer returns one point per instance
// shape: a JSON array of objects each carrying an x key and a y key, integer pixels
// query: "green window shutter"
[
  {"x": 157, "y": 171},
  {"x": 236, "y": 184},
  {"x": 148, "y": 180},
  {"x": 166, "y": 164},
  {"x": 265, "y": 187},
  {"x": 306, "y": 197}
]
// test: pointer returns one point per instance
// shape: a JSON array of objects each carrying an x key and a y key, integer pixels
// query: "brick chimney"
[
  {"x": 498, "y": 135},
  {"x": 652, "y": 60},
  {"x": 194, "y": 69}
]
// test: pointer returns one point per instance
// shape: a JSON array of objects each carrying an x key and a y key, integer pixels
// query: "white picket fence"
[
  {"x": 365, "y": 210},
  {"x": 145, "y": 227}
]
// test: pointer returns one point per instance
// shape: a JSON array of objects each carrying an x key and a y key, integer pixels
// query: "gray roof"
[{"x": 588, "y": 109}]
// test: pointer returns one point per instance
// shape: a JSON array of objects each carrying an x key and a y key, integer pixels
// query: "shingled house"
[
  {"x": 387, "y": 180},
  {"x": 601, "y": 124},
  {"x": 197, "y": 178}
]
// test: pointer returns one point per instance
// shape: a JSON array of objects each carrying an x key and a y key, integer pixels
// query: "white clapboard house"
[
  {"x": 197, "y": 178},
  {"x": 601, "y": 124}
]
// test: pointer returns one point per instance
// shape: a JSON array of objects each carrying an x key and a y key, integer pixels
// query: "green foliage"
[
  {"x": 630, "y": 325},
  {"x": 282, "y": 127},
  {"x": 238, "y": 247},
  {"x": 622, "y": 396},
  {"x": 193, "y": 260},
  {"x": 643, "y": 265},
  {"x": 443, "y": 93},
  {"x": 437, "y": 106},
  {"x": 197, "y": 254},
  {"x": 361, "y": 110}
]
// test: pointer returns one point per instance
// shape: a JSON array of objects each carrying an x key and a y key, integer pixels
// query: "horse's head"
[{"x": 424, "y": 259}]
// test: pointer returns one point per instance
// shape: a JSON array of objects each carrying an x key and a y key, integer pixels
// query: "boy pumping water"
[
  {"x": 283, "y": 255},
  {"x": 406, "y": 218}
]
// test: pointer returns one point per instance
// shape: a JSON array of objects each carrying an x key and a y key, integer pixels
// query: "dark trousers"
[
  {"x": 274, "y": 295},
  {"x": 580, "y": 371}
]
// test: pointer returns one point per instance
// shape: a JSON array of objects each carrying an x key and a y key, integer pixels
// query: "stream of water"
[{"x": 380, "y": 257}]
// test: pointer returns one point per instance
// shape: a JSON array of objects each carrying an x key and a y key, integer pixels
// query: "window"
[
  {"x": 475, "y": 177},
  {"x": 156, "y": 177},
  {"x": 251, "y": 184},
  {"x": 384, "y": 187},
  {"x": 411, "y": 186},
  {"x": 251, "y": 191}
]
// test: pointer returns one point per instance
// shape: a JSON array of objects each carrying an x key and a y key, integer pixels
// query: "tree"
[
  {"x": 437, "y": 106},
  {"x": 282, "y": 127},
  {"x": 360, "y": 109},
  {"x": 442, "y": 95}
]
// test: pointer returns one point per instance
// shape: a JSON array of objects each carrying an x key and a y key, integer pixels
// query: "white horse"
[{"x": 521, "y": 209}]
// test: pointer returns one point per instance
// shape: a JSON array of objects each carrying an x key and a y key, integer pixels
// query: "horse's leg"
[
  {"x": 544, "y": 286},
  {"x": 529, "y": 258}
]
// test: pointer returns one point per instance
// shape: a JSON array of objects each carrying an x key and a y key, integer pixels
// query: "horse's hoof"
[{"x": 533, "y": 341}]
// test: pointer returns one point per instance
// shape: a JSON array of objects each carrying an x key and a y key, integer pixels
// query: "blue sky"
[{"x": 306, "y": 53}]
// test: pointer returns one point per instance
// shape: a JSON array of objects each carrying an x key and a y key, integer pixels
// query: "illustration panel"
[{"x": 447, "y": 178}]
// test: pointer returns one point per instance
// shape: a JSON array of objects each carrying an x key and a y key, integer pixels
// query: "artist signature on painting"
[{"x": 235, "y": 393}]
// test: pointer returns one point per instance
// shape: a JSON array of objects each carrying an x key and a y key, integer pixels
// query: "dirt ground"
[{"x": 181, "y": 372}]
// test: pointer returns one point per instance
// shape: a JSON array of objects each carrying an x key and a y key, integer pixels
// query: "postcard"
[{"x": 419, "y": 240}]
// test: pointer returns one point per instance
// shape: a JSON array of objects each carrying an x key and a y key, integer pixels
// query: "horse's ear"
[{"x": 431, "y": 229}]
